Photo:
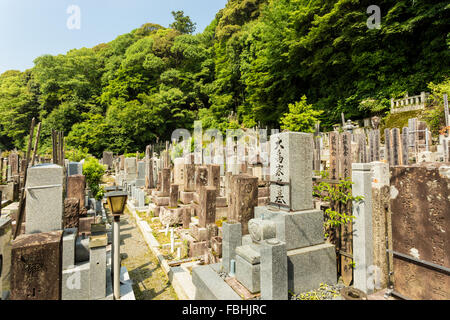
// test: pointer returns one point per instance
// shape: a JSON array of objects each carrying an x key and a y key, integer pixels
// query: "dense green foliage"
[
  {"x": 255, "y": 59},
  {"x": 94, "y": 172}
]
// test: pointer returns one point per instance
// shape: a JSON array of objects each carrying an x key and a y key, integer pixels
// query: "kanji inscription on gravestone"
[{"x": 279, "y": 193}]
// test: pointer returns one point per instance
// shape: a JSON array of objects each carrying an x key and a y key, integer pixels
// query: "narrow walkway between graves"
[{"x": 149, "y": 280}]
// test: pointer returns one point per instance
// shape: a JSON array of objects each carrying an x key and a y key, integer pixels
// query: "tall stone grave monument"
[
  {"x": 291, "y": 219},
  {"x": 44, "y": 201}
]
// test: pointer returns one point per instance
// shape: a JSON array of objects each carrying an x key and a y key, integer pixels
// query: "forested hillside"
[{"x": 258, "y": 59}]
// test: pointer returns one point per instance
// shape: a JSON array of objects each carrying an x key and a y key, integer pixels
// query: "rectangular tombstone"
[
  {"x": 345, "y": 155},
  {"x": 71, "y": 213},
  {"x": 189, "y": 177},
  {"x": 108, "y": 158},
  {"x": 388, "y": 146},
  {"x": 74, "y": 168},
  {"x": 396, "y": 147},
  {"x": 141, "y": 170},
  {"x": 334, "y": 155},
  {"x": 214, "y": 177},
  {"x": 68, "y": 248},
  {"x": 130, "y": 169},
  {"x": 36, "y": 266},
  {"x": 173, "y": 201},
  {"x": 291, "y": 159},
  {"x": 201, "y": 177},
  {"x": 165, "y": 182},
  {"x": 141, "y": 198},
  {"x": 5, "y": 254},
  {"x": 44, "y": 201},
  {"x": 243, "y": 200},
  {"x": 412, "y": 126},
  {"x": 231, "y": 239},
  {"x": 362, "y": 239},
  {"x": 76, "y": 186},
  {"x": 274, "y": 270},
  {"x": 178, "y": 171},
  {"x": 375, "y": 145},
  {"x": 14, "y": 163},
  {"x": 97, "y": 261},
  {"x": 405, "y": 147},
  {"x": 381, "y": 221},
  {"x": 122, "y": 162},
  {"x": 149, "y": 180},
  {"x": 207, "y": 204},
  {"x": 362, "y": 151},
  {"x": 420, "y": 212}
]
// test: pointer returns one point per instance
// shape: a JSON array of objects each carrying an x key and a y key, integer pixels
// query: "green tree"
[
  {"x": 94, "y": 172},
  {"x": 301, "y": 117},
  {"x": 182, "y": 23}
]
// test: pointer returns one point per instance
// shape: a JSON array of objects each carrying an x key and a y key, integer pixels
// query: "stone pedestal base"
[
  {"x": 297, "y": 229},
  {"x": 171, "y": 216},
  {"x": 210, "y": 286},
  {"x": 186, "y": 197},
  {"x": 161, "y": 201},
  {"x": 248, "y": 267},
  {"x": 197, "y": 248},
  {"x": 311, "y": 266},
  {"x": 153, "y": 210},
  {"x": 198, "y": 233}
]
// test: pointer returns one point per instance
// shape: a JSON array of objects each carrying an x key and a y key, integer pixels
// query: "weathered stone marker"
[
  {"x": 76, "y": 186},
  {"x": 108, "y": 158},
  {"x": 420, "y": 206},
  {"x": 381, "y": 224},
  {"x": 36, "y": 266},
  {"x": 173, "y": 201},
  {"x": 396, "y": 147},
  {"x": 189, "y": 177},
  {"x": 201, "y": 178},
  {"x": 345, "y": 156},
  {"x": 334, "y": 155},
  {"x": 207, "y": 204},
  {"x": 5, "y": 257},
  {"x": 405, "y": 146},
  {"x": 214, "y": 177},
  {"x": 165, "y": 182},
  {"x": 243, "y": 200},
  {"x": 71, "y": 213}
]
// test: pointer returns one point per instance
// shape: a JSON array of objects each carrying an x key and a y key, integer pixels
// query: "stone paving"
[{"x": 149, "y": 280}]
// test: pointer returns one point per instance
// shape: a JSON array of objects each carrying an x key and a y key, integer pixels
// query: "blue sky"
[{"x": 30, "y": 28}]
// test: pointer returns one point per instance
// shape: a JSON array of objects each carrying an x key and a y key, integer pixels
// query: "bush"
[
  {"x": 301, "y": 117},
  {"x": 94, "y": 172},
  {"x": 76, "y": 155}
]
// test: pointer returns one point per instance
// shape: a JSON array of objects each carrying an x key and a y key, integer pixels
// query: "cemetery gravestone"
[
  {"x": 36, "y": 266},
  {"x": 44, "y": 201}
]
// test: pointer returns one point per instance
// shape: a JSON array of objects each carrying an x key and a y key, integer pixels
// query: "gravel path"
[{"x": 149, "y": 280}]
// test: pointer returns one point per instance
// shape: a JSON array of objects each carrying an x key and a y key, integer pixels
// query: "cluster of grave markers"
[
  {"x": 245, "y": 219},
  {"x": 413, "y": 144},
  {"x": 194, "y": 196},
  {"x": 60, "y": 251}
]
